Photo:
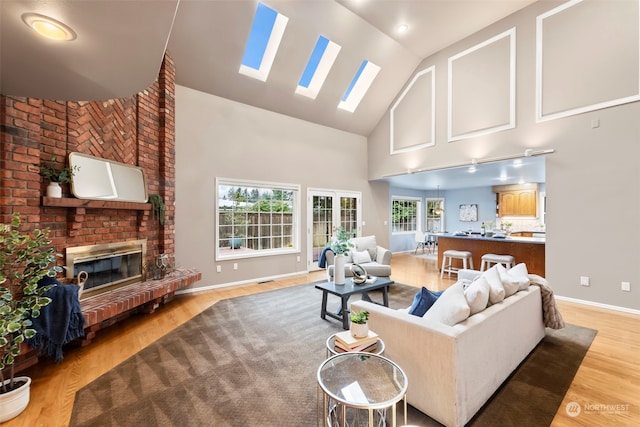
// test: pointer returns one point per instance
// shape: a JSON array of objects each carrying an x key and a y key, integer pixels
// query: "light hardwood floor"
[{"x": 607, "y": 385}]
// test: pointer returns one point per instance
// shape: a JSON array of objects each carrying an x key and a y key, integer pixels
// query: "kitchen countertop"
[
  {"x": 514, "y": 239},
  {"x": 529, "y": 250}
]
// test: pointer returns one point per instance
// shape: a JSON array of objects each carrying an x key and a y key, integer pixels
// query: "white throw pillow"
[
  {"x": 520, "y": 275},
  {"x": 477, "y": 295},
  {"x": 451, "y": 307},
  {"x": 367, "y": 243},
  {"x": 360, "y": 257},
  {"x": 496, "y": 290},
  {"x": 510, "y": 285}
]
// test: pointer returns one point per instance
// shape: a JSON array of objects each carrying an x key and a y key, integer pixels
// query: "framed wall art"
[{"x": 469, "y": 213}]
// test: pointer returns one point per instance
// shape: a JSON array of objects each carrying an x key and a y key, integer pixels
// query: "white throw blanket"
[{"x": 550, "y": 313}]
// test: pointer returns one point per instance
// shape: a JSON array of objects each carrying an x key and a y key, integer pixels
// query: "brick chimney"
[{"x": 137, "y": 130}]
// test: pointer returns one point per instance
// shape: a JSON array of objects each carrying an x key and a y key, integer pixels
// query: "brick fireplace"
[
  {"x": 107, "y": 266},
  {"x": 138, "y": 130}
]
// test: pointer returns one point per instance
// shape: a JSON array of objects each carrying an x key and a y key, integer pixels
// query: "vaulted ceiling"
[{"x": 120, "y": 45}]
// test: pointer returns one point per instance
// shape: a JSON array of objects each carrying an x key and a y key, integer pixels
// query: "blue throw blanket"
[
  {"x": 322, "y": 261},
  {"x": 59, "y": 322}
]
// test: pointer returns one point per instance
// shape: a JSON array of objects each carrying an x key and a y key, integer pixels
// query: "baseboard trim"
[
  {"x": 242, "y": 282},
  {"x": 599, "y": 305}
]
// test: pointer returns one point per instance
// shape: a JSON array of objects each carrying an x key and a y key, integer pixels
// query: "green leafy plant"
[
  {"x": 402, "y": 212},
  {"x": 55, "y": 174},
  {"x": 341, "y": 242},
  {"x": 25, "y": 258},
  {"x": 157, "y": 207},
  {"x": 360, "y": 317},
  {"x": 237, "y": 216}
]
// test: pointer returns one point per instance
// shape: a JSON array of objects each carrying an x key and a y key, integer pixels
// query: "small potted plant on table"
[
  {"x": 359, "y": 326},
  {"x": 340, "y": 245}
]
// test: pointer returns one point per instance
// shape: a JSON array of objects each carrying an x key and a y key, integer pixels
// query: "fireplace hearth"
[{"x": 109, "y": 266}]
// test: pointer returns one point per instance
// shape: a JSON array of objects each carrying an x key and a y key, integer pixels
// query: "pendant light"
[{"x": 439, "y": 210}]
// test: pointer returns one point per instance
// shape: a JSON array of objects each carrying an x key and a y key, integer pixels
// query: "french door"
[{"x": 326, "y": 211}]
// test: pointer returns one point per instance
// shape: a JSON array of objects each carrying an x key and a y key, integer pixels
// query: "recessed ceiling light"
[
  {"x": 48, "y": 27},
  {"x": 402, "y": 28}
]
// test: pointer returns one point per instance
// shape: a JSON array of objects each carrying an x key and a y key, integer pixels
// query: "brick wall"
[{"x": 137, "y": 130}]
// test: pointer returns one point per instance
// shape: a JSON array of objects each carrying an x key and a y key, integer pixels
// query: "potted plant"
[
  {"x": 359, "y": 327},
  {"x": 157, "y": 207},
  {"x": 237, "y": 221},
  {"x": 56, "y": 176},
  {"x": 236, "y": 218},
  {"x": 24, "y": 260},
  {"x": 490, "y": 225},
  {"x": 340, "y": 244}
]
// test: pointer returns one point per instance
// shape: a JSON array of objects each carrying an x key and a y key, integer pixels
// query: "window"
[
  {"x": 322, "y": 58},
  {"x": 359, "y": 86},
  {"x": 435, "y": 218},
  {"x": 256, "y": 219},
  {"x": 264, "y": 39},
  {"x": 405, "y": 213}
]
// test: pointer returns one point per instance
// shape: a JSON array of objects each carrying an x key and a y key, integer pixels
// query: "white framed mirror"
[{"x": 101, "y": 179}]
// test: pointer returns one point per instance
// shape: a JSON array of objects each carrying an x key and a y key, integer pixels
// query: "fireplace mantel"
[{"x": 71, "y": 202}]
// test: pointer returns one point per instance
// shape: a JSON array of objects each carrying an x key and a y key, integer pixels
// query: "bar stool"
[
  {"x": 447, "y": 261},
  {"x": 488, "y": 259}
]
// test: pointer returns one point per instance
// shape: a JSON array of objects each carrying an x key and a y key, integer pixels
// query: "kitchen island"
[{"x": 529, "y": 250}]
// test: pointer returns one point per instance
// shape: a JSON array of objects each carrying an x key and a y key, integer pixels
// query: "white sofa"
[
  {"x": 378, "y": 265},
  {"x": 453, "y": 370}
]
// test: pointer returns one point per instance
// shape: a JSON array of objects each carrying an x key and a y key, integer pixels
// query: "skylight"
[
  {"x": 264, "y": 39},
  {"x": 318, "y": 66},
  {"x": 359, "y": 86}
]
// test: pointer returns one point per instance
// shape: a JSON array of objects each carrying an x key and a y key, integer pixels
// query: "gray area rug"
[{"x": 252, "y": 361}]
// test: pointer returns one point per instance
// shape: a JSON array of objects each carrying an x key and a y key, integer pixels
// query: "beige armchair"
[{"x": 366, "y": 252}]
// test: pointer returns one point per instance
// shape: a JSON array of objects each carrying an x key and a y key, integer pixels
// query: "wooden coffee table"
[{"x": 345, "y": 291}]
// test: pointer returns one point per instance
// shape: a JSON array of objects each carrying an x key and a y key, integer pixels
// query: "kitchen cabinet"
[
  {"x": 523, "y": 234},
  {"x": 517, "y": 201}
]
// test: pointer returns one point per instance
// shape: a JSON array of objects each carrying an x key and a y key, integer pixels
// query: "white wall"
[
  {"x": 593, "y": 197},
  {"x": 216, "y": 137}
]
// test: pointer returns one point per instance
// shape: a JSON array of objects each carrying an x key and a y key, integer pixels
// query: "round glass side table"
[{"x": 357, "y": 389}]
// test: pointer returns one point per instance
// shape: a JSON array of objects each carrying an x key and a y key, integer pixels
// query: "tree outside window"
[
  {"x": 405, "y": 215},
  {"x": 256, "y": 220}
]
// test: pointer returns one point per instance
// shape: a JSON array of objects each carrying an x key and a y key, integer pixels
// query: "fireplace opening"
[{"x": 109, "y": 266}]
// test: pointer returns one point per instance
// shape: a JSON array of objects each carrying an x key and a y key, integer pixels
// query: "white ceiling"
[
  {"x": 120, "y": 47},
  {"x": 513, "y": 171}
]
